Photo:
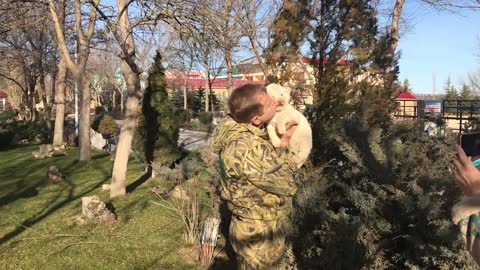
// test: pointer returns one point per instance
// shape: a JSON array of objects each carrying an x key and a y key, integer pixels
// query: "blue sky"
[{"x": 441, "y": 44}]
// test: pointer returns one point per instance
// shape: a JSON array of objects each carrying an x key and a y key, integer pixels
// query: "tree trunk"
[
  {"x": 228, "y": 62},
  {"x": 84, "y": 115},
  {"x": 32, "y": 101},
  {"x": 185, "y": 100},
  {"x": 122, "y": 101},
  {"x": 131, "y": 74},
  {"x": 114, "y": 101},
  {"x": 46, "y": 105},
  {"x": 394, "y": 34},
  {"x": 207, "y": 86},
  {"x": 119, "y": 173},
  {"x": 60, "y": 103}
]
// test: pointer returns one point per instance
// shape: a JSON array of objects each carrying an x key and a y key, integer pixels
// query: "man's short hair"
[{"x": 244, "y": 104}]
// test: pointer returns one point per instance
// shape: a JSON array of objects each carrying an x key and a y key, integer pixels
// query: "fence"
[{"x": 455, "y": 113}]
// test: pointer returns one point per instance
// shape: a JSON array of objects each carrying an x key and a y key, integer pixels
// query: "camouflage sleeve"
[{"x": 269, "y": 170}]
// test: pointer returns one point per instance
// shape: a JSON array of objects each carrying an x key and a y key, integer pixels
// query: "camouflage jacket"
[{"x": 257, "y": 179}]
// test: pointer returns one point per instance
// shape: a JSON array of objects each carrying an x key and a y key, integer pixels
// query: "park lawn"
[{"x": 39, "y": 226}]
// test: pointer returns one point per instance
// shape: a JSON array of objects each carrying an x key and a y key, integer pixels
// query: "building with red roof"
[
  {"x": 218, "y": 86},
  {"x": 406, "y": 103},
  {"x": 406, "y": 96}
]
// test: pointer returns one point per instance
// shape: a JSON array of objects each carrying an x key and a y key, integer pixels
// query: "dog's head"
[{"x": 280, "y": 93}]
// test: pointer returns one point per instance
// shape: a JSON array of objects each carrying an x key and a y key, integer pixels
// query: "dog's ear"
[{"x": 288, "y": 89}]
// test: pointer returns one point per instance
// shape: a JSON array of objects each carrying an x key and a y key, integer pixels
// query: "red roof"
[
  {"x": 406, "y": 95},
  {"x": 3, "y": 94},
  {"x": 197, "y": 83},
  {"x": 308, "y": 60}
]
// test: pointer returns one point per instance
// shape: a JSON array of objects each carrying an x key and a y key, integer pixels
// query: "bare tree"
[
  {"x": 122, "y": 30},
  {"x": 77, "y": 68},
  {"x": 254, "y": 19}
]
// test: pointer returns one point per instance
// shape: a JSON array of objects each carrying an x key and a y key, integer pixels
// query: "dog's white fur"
[{"x": 301, "y": 142}]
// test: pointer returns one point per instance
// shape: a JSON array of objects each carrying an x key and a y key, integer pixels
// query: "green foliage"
[
  {"x": 198, "y": 101},
  {"x": 107, "y": 126},
  {"x": 215, "y": 104},
  {"x": 182, "y": 116},
  {"x": 205, "y": 118},
  {"x": 382, "y": 202},
  {"x": 467, "y": 93},
  {"x": 177, "y": 99},
  {"x": 157, "y": 132},
  {"x": 350, "y": 27},
  {"x": 288, "y": 33},
  {"x": 13, "y": 131},
  {"x": 451, "y": 97}
]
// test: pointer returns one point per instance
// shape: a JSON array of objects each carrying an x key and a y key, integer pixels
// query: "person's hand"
[
  {"x": 290, "y": 128},
  {"x": 467, "y": 177}
]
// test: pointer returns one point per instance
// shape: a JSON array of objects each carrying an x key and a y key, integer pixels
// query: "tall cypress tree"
[{"x": 157, "y": 132}]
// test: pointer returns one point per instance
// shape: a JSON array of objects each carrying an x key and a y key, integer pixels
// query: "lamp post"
[{"x": 76, "y": 87}]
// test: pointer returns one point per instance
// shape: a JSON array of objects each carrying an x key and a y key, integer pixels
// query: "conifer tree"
[
  {"x": 466, "y": 93},
  {"x": 157, "y": 132},
  {"x": 198, "y": 101},
  {"x": 289, "y": 30},
  {"x": 451, "y": 97}
]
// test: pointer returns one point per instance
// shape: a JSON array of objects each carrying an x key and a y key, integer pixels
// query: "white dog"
[{"x": 301, "y": 142}]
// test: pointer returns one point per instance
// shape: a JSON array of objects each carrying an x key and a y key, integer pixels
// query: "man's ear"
[{"x": 255, "y": 121}]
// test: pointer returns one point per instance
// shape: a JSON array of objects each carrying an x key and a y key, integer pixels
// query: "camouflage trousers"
[{"x": 259, "y": 244}]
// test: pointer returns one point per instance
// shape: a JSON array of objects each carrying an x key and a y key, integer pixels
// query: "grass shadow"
[{"x": 135, "y": 184}]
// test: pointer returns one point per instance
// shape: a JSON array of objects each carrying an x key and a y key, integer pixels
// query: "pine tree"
[
  {"x": 177, "y": 99},
  {"x": 466, "y": 93},
  {"x": 198, "y": 101},
  {"x": 289, "y": 30},
  {"x": 157, "y": 132},
  {"x": 451, "y": 97}
]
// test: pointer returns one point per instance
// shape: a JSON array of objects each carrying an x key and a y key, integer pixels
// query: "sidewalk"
[{"x": 194, "y": 140}]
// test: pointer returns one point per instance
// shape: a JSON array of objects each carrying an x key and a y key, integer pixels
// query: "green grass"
[{"x": 38, "y": 227}]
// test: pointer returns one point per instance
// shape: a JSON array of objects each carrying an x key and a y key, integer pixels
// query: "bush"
[
  {"x": 100, "y": 110},
  {"x": 382, "y": 202},
  {"x": 205, "y": 118},
  {"x": 6, "y": 137},
  {"x": 182, "y": 116},
  {"x": 7, "y": 116},
  {"x": 14, "y": 131},
  {"x": 107, "y": 126}
]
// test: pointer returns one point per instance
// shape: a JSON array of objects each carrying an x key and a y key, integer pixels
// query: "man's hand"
[
  {"x": 290, "y": 128},
  {"x": 467, "y": 177}
]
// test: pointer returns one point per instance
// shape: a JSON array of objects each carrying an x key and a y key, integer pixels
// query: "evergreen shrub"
[
  {"x": 383, "y": 202},
  {"x": 156, "y": 139},
  {"x": 107, "y": 126},
  {"x": 205, "y": 118}
]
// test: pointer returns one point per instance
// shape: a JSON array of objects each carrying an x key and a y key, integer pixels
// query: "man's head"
[
  {"x": 250, "y": 103},
  {"x": 280, "y": 93}
]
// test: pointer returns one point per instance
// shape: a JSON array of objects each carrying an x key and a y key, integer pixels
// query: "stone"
[
  {"x": 180, "y": 193},
  {"x": 160, "y": 191},
  {"x": 95, "y": 211},
  {"x": 96, "y": 140},
  {"x": 24, "y": 141},
  {"x": 54, "y": 174},
  {"x": 105, "y": 187},
  {"x": 45, "y": 150}
]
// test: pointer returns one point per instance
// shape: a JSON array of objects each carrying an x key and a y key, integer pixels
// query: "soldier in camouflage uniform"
[{"x": 257, "y": 180}]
